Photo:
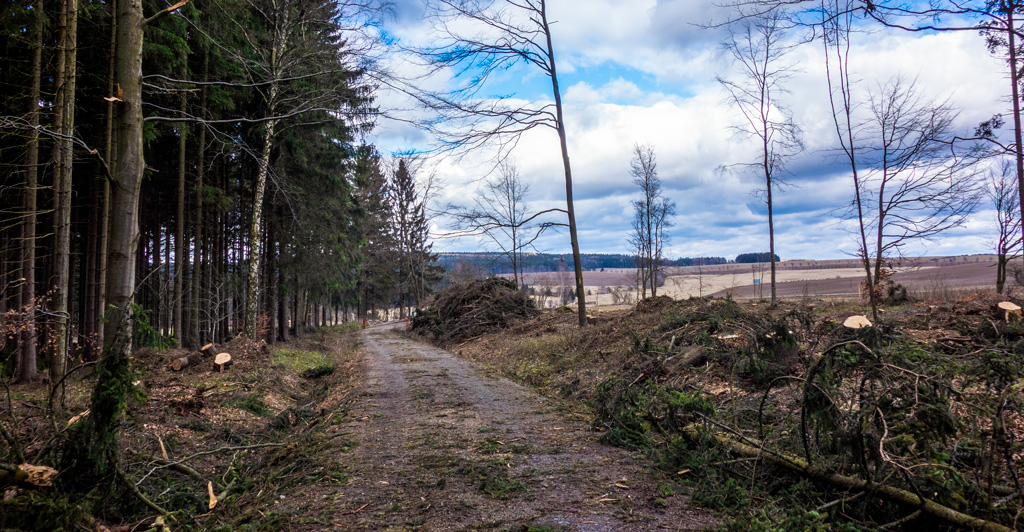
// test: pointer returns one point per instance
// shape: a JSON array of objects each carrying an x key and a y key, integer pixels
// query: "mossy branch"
[{"x": 801, "y": 466}]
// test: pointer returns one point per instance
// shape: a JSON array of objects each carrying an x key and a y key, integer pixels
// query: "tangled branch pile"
[{"x": 463, "y": 311}]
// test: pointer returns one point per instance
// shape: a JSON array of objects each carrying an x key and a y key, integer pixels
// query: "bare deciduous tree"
[
  {"x": 502, "y": 215},
  {"x": 651, "y": 218},
  {"x": 915, "y": 178},
  {"x": 1002, "y": 191},
  {"x": 757, "y": 44},
  {"x": 485, "y": 37}
]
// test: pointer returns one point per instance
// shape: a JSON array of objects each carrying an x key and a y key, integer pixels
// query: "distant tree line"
[
  {"x": 747, "y": 258},
  {"x": 497, "y": 264}
]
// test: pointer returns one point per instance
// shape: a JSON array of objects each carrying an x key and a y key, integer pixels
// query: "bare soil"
[{"x": 441, "y": 444}]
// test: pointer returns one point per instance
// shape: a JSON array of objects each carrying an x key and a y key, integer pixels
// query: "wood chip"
[
  {"x": 213, "y": 498},
  {"x": 357, "y": 510}
]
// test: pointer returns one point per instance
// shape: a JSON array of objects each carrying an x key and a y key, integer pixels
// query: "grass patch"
[
  {"x": 300, "y": 361},
  {"x": 317, "y": 371},
  {"x": 254, "y": 405}
]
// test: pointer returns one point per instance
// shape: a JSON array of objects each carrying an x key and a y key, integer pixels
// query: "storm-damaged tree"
[
  {"x": 481, "y": 38},
  {"x": 1002, "y": 191},
  {"x": 651, "y": 218},
  {"x": 917, "y": 176},
  {"x": 759, "y": 48},
  {"x": 502, "y": 215}
]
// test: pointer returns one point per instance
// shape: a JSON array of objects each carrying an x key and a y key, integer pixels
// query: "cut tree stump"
[
  {"x": 208, "y": 351},
  {"x": 857, "y": 322},
  {"x": 1010, "y": 310},
  {"x": 222, "y": 361}
]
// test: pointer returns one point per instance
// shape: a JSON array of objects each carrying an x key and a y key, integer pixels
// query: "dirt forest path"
[{"x": 438, "y": 444}]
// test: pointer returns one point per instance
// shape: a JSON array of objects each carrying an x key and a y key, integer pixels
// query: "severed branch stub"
[
  {"x": 1010, "y": 310},
  {"x": 222, "y": 361}
]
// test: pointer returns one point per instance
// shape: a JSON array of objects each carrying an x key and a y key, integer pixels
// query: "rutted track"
[{"x": 441, "y": 445}]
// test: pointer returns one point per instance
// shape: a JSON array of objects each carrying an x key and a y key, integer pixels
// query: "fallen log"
[
  {"x": 688, "y": 357},
  {"x": 181, "y": 363},
  {"x": 799, "y": 465}
]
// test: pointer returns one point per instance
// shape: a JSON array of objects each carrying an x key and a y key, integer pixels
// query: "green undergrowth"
[{"x": 926, "y": 401}]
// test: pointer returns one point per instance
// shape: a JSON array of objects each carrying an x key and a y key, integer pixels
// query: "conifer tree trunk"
[
  {"x": 180, "y": 260},
  {"x": 126, "y": 170},
  {"x": 198, "y": 276},
  {"x": 108, "y": 154},
  {"x": 26, "y": 368},
  {"x": 63, "y": 152}
]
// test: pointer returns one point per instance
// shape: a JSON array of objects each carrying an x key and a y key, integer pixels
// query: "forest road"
[{"x": 439, "y": 444}]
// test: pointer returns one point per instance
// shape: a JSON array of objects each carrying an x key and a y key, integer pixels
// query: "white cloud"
[{"x": 643, "y": 73}]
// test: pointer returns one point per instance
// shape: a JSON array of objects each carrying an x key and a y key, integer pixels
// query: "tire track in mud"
[{"x": 441, "y": 445}]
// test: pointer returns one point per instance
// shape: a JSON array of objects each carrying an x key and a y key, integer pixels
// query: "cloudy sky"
[{"x": 643, "y": 71}]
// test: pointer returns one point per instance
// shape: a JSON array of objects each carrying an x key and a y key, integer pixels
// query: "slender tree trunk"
[
  {"x": 195, "y": 304},
  {"x": 571, "y": 211},
  {"x": 180, "y": 257},
  {"x": 63, "y": 152},
  {"x": 1015, "y": 98},
  {"x": 1001, "y": 273},
  {"x": 26, "y": 369},
  {"x": 771, "y": 220},
  {"x": 256, "y": 229},
  {"x": 109, "y": 155},
  {"x": 273, "y": 249}
]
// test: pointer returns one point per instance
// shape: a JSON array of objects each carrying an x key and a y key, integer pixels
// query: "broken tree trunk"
[{"x": 799, "y": 465}]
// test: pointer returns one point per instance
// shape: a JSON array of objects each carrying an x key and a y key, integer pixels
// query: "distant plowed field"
[{"x": 924, "y": 277}]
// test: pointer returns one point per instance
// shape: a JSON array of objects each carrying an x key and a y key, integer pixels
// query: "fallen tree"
[{"x": 696, "y": 433}]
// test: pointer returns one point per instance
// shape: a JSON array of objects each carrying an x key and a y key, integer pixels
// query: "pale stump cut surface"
[{"x": 440, "y": 445}]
